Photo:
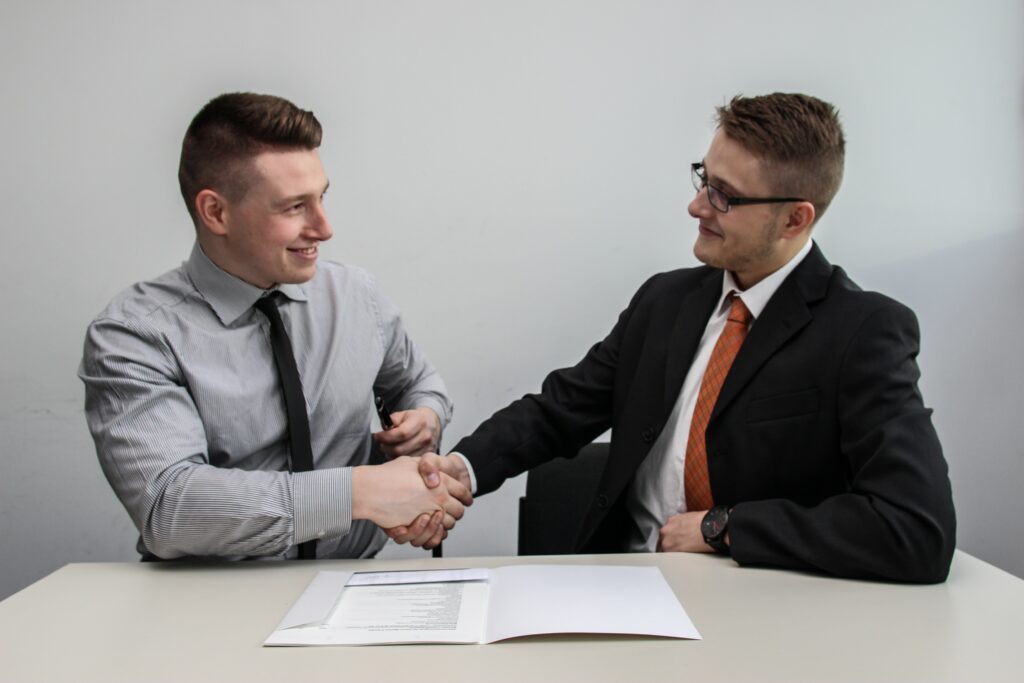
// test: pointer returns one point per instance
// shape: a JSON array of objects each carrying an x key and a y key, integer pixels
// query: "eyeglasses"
[{"x": 721, "y": 201}]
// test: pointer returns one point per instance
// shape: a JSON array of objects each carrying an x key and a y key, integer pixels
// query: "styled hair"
[
  {"x": 229, "y": 132},
  {"x": 798, "y": 139}
]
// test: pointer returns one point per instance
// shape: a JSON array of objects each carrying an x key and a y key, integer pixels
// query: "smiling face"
[
  {"x": 752, "y": 241},
  {"x": 271, "y": 234}
]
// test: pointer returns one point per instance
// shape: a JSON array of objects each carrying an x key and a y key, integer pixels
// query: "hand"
[
  {"x": 453, "y": 466},
  {"x": 391, "y": 494},
  {"x": 681, "y": 534},
  {"x": 416, "y": 432},
  {"x": 426, "y": 531},
  {"x": 429, "y": 530}
]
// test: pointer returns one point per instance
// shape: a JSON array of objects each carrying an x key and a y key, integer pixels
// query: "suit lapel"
[
  {"x": 786, "y": 314},
  {"x": 688, "y": 328}
]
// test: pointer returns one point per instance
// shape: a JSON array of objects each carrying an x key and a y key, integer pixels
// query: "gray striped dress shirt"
[{"x": 184, "y": 403}]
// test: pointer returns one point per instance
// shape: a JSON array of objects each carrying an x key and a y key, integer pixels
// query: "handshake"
[
  {"x": 430, "y": 490},
  {"x": 418, "y": 495}
]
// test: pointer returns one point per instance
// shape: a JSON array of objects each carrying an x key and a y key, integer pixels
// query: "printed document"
[{"x": 482, "y": 605}]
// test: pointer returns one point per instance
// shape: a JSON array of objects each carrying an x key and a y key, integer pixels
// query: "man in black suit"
[{"x": 816, "y": 451}]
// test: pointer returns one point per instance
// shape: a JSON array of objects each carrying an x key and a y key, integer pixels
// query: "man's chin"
[
  {"x": 298, "y": 277},
  {"x": 705, "y": 255}
]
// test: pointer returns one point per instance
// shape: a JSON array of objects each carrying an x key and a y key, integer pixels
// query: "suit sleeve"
[
  {"x": 896, "y": 520},
  {"x": 574, "y": 406}
]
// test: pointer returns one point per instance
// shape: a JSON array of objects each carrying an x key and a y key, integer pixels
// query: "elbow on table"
[{"x": 926, "y": 555}]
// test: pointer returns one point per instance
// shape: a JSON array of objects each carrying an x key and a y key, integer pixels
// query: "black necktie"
[{"x": 294, "y": 402}]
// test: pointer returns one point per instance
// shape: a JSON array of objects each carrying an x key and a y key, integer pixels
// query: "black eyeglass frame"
[{"x": 700, "y": 181}]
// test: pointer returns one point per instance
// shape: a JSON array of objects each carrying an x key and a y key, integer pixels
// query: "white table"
[{"x": 175, "y": 622}]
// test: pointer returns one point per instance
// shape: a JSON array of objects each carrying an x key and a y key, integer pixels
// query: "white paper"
[
  {"x": 534, "y": 599},
  {"x": 456, "y": 606}
]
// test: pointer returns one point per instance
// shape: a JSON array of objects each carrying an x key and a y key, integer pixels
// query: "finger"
[
  {"x": 392, "y": 436},
  {"x": 430, "y": 472},
  {"x": 441, "y": 534},
  {"x": 458, "y": 490},
  {"x": 662, "y": 535},
  {"x": 429, "y": 530},
  {"x": 453, "y": 507},
  {"x": 455, "y": 467},
  {"x": 417, "y": 443},
  {"x": 409, "y": 532},
  {"x": 449, "y": 521},
  {"x": 423, "y": 528},
  {"x": 407, "y": 424}
]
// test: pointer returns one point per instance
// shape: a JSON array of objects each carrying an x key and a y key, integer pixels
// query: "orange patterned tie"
[{"x": 696, "y": 483}]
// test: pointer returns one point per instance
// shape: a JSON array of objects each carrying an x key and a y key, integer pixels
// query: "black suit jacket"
[{"x": 819, "y": 439}]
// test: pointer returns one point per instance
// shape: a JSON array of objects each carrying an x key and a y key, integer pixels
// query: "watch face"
[{"x": 714, "y": 522}]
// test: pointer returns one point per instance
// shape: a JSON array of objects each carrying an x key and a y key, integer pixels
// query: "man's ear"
[
  {"x": 799, "y": 220},
  {"x": 212, "y": 211}
]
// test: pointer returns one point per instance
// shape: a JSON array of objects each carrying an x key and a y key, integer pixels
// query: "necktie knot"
[
  {"x": 267, "y": 305},
  {"x": 738, "y": 311}
]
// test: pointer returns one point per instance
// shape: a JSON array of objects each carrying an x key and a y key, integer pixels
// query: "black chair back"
[{"x": 558, "y": 495}]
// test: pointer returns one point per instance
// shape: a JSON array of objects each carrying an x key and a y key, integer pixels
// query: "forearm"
[
  {"x": 557, "y": 422},
  {"x": 206, "y": 511},
  {"x": 849, "y": 535}
]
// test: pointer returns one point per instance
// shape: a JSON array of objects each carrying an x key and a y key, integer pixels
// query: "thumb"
[{"x": 430, "y": 473}]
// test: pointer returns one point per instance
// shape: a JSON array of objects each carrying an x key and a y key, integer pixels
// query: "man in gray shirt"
[{"x": 181, "y": 392}]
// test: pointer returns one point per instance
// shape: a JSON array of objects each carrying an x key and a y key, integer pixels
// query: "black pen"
[{"x": 383, "y": 413}]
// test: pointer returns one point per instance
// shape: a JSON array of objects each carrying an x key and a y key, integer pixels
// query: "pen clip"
[{"x": 383, "y": 413}]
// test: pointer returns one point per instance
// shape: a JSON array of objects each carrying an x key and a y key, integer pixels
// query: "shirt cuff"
[
  {"x": 469, "y": 468},
  {"x": 321, "y": 503}
]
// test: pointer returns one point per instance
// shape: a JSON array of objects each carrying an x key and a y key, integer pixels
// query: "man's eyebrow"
[
  {"x": 721, "y": 183},
  {"x": 297, "y": 197}
]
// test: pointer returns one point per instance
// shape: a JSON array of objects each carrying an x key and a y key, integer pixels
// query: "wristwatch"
[{"x": 714, "y": 527}]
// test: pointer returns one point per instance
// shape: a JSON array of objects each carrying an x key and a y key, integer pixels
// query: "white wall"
[{"x": 511, "y": 171}]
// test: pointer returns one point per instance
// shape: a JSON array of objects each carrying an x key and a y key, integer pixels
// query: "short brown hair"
[
  {"x": 797, "y": 137},
  {"x": 232, "y": 129}
]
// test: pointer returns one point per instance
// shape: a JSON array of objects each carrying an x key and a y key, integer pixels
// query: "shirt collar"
[
  {"x": 228, "y": 296},
  {"x": 756, "y": 298}
]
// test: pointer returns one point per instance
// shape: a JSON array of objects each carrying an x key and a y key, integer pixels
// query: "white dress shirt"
[{"x": 657, "y": 490}]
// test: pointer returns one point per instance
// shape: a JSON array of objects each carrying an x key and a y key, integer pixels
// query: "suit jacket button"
[
  {"x": 647, "y": 435},
  {"x": 602, "y": 501}
]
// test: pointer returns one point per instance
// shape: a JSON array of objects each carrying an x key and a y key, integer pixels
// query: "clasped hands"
[
  {"x": 418, "y": 496},
  {"x": 410, "y": 488}
]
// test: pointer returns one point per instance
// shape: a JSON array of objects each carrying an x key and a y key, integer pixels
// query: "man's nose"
[
  {"x": 700, "y": 206},
  {"x": 320, "y": 227}
]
